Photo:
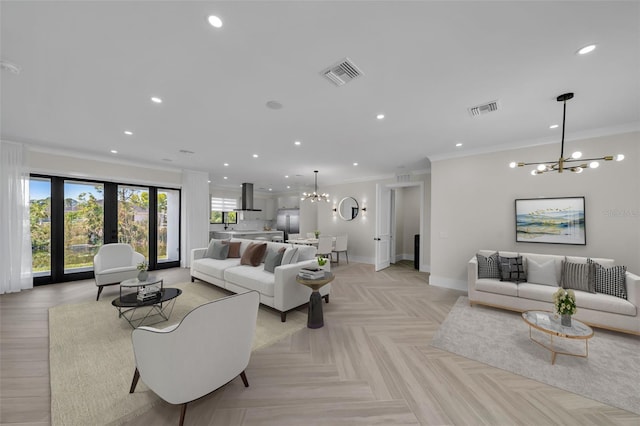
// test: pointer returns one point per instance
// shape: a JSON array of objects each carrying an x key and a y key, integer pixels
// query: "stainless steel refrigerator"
[{"x": 288, "y": 221}]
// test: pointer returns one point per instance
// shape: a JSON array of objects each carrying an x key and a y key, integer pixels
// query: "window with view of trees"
[
  {"x": 222, "y": 210},
  {"x": 71, "y": 219}
]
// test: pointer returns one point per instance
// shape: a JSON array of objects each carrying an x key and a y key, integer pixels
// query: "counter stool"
[{"x": 277, "y": 239}]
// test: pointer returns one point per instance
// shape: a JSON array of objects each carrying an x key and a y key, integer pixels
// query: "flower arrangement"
[
  {"x": 143, "y": 266},
  {"x": 322, "y": 261},
  {"x": 565, "y": 301}
]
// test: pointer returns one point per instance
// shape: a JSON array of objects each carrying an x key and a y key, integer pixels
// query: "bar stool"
[{"x": 277, "y": 239}]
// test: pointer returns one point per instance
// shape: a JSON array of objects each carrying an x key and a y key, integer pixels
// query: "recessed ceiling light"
[
  {"x": 297, "y": 143},
  {"x": 553, "y": 126},
  {"x": 225, "y": 178},
  {"x": 113, "y": 151},
  {"x": 270, "y": 189},
  {"x": 156, "y": 99},
  {"x": 208, "y": 181},
  {"x": 380, "y": 116},
  {"x": 286, "y": 176},
  {"x": 255, "y": 155},
  {"x": 288, "y": 187},
  {"x": 459, "y": 144},
  {"x": 226, "y": 164},
  {"x": 214, "y": 21},
  {"x": 355, "y": 164},
  {"x": 587, "y": 49},
  {"x": 128, "y": 132},
  {"x": 273, "y": 105}
]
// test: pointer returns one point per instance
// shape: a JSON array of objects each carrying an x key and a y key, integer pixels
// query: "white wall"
[
  {"x": 473, "y": 204},
  {"x": 407, "y": 220},
  {"x": 77, "y": 167}
]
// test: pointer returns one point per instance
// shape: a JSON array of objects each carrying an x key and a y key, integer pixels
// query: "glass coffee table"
[
  {"x": 155, "y": 310},
  {"x": 549, "y": 323}
]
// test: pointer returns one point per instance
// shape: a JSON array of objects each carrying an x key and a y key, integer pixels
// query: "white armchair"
[
  {"x": 115, "y": 263},
  {"x": 206, "y": 350}
]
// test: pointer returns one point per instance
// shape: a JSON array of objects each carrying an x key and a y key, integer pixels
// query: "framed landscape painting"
[{"x": 551, "y": 220}]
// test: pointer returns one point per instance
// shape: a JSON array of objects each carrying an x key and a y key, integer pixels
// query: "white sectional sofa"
[
  {"x": 597, "y": 309},
  {"x": 278, "y": 290}
]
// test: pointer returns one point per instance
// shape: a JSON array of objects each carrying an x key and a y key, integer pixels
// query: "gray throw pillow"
[
  {"x": 488, "y": 266},
  {"x": 576, "y": 276},
  {"x": 273, "y": 259},
  {"x": 512, "y": 269},
  {"x": 611, "y": 280},
  {"x": 217, "y": 250}
]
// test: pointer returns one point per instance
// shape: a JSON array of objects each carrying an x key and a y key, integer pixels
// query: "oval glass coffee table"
[
  {"x": 549, "y": 323},
  {"x": 315, "y": 317}
]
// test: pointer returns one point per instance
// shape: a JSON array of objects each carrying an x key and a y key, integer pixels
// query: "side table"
[{"x": 315, "y": 318}]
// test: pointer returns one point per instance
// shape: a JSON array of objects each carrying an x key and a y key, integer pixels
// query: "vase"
[
  {"x": 143, "y": 275},
  {"x": 565, "y": 320}
]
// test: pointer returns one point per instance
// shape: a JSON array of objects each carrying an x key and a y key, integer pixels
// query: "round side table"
[{"x": 315, "y": 318}]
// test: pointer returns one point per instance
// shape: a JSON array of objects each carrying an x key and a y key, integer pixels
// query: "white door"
[{"x": 383, "y": 227}]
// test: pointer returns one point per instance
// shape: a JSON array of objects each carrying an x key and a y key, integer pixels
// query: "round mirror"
[{"x": 348, "y": 208}]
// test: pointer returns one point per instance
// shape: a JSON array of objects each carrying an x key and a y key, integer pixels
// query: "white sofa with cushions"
[
  {"x": 277, "y": 289},
  {"x": 530, "y": 286}
]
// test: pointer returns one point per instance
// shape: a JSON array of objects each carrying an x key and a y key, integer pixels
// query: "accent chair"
[{"x": 115, "y": 263}]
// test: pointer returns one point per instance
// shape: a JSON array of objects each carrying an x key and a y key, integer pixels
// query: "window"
[{"x": 222, "y": 210}]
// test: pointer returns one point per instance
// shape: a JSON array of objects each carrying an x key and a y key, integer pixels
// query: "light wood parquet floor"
[{"x": 371, "y": 364}]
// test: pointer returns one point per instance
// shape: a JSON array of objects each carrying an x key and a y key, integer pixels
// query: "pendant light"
[{"x": 314, "y": 196}]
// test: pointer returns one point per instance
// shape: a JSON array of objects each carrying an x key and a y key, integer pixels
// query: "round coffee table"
[
  {"x": 549, "y": 323},
  {"x": 315, "y": 318}
]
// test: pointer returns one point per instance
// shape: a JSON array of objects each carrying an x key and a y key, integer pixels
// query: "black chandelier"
[
  {"x": 566, "y": 163},
  {"x": 314, "y": 196}
]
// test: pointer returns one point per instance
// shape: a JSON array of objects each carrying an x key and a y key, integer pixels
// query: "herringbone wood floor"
[{"x": 370, "y": 365}]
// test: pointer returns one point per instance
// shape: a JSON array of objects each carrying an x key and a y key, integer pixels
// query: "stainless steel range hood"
[{"x": 247, "y": 199}]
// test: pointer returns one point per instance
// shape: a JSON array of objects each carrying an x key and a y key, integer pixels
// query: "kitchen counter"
[{"x": 248, "y": 234}]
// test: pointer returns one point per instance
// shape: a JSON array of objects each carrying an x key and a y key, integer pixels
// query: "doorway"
[{"x": 390, "y": 210}]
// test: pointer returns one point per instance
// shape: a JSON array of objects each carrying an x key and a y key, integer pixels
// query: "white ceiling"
[{"x": 88, "y": 70}]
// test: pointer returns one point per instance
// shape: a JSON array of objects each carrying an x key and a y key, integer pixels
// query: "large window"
[
  {"x": 222, "y": 210},
  {"x": 40, "y": 218},
  {"x": 71, "y": 219}
]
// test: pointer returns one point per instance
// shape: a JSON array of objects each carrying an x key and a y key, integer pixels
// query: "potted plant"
[
  {"x": 565, "y": 304},
  {"x": 316, "y": 233},
  {"x": 143, "y": 270},
  {"x": 321, "y": 261}
]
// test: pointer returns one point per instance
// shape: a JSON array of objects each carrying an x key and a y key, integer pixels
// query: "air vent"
[
  {"x": 483, "y": 109},
  {"x": 342, "y": 72}
]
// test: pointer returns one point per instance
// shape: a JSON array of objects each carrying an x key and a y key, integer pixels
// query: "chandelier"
[
  {"x": 314, "y": 196},
  {"x": 566, "y": 163}
]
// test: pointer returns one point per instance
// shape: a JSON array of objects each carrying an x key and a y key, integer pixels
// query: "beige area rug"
[
  {"x": 91, "y": 358},
  {"x": 501, "y": 339}
]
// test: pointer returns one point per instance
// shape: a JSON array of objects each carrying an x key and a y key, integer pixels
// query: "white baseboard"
[{"x": 448, "y": 283}]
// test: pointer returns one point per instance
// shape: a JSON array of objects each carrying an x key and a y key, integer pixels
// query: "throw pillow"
[
  {"x": 488, "y": 266},
  {"x": 209, "y": 252},
  {"x": 576, "y": 276},
  {"x": 611, "y": 280},
  {"x": 542, "y": 273},
  {"x": 253, "y": 254},
  {"x": 273, "y": 259},
  {"x": 219, "y": 251},
  {"x": 511, "y": 269},
  {"x": 290, "y": 256},
  {"x": 234, "y": 249}
]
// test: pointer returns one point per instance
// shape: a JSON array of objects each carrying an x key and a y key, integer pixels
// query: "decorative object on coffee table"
[
  {"x": 565, "y": 304},
  {"x": 143, "y": 270}
]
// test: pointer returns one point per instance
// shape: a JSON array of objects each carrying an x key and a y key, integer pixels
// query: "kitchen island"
[{"x": 247, "y": 234}]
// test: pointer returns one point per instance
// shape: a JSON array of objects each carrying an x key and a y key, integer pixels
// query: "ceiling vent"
[
  {"x": 342, "y": 72},
  {"x": 483, "y": 109}
]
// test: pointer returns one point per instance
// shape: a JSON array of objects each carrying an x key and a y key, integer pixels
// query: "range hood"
[{"x": 247, "y": 199}]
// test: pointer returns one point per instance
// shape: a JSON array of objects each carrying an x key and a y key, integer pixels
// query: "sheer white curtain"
[
  {"x": 195, "y": 214},
  {"x": 15, "y": 232}
]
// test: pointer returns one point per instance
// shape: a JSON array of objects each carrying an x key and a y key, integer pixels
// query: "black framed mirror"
[{"x": 348, "y": 208}]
